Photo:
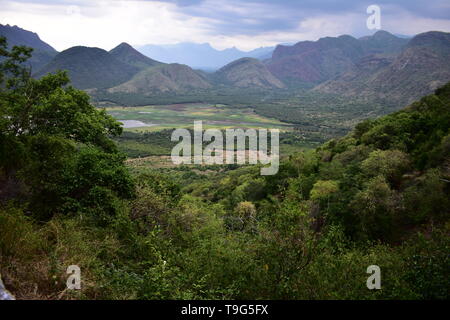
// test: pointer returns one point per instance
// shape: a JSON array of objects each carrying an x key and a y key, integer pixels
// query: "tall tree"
[{"x": 52, "y": 140}]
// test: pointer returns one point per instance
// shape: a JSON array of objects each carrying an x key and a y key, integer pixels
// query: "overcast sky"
[{"x": 246, "y": 24}]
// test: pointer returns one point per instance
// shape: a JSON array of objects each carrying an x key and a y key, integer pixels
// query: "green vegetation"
[
  {"x": 155, "y": 139},
  {"x": 158, "y": 143},
  {"x": 184, "y": 115},
  {"x": 56, "y": 144},
  {"x": 317, "y": 116},
  {"x": 377, "y": 196},
  {"x": 324, "y": 93}
]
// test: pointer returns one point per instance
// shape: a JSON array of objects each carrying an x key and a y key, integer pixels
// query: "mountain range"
[
  {"x": 420, "y": 68},
  {"x": 314, "y": 62},
  {"x": 90, "y": 68},
  {"x": 201, "y": 56},
  {"x": 125, "y": 70},
  {"x": 43, "y": 53},
  {"x": 381, "y": 67}
]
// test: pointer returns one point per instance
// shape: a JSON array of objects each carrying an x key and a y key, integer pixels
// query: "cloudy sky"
[{"x": 246, "y": 24}]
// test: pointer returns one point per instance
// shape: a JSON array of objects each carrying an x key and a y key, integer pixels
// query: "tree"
[
  {"x": 375, "y": 207},
  {"x": 246, "y": 212},
  {"x": 391, "y": 164},
  {"x": 55, "y": 145},
  {"x": 322, "y": 189}
]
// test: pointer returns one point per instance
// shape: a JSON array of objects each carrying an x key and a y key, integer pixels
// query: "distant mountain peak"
[
  {"x": 124, "y": 45},
  {"x": 200, "y": 56},
  {"x": 42, "y": 52},
  {"x": 379, "y": 35},
  {"x": 90, "y": 67},
  {"x": 127, "y": 54},
  {"x": 240, "y": 61},
  {"x": 19, "y": 36},
  {"x": 326, "y": 58},
  {"x": 400, "y": 77},
  {"x": 383, "y": 33},
  {"x": 431, "y": 39},
  {"x": 346, "y": 36}
]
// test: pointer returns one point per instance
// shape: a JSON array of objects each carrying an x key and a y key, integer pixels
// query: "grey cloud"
[
  {"x": 253, "y": 17},
  {"x": 258, "y": 16}
]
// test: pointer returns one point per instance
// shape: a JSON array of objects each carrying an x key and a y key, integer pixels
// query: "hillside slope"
[
  {"x": 421, "y": 67},
  {"x": 90, "y": 68},
  {"x": 163, "y": 78},
  {"x": 318, "y": 61},
  {"x": 127, "y": 54},
  {"x": 200, "y": 56},
  {"x": 248, "y": 72},
  {"x": 43, "y": 53}
]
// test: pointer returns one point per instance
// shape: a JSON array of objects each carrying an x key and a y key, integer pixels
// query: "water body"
[{"x": 127, "y": 124}]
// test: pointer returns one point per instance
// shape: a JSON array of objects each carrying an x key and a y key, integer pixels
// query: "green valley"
[
  {"x": 362, "y": 178},
  {"x": 184, "y": 115}
]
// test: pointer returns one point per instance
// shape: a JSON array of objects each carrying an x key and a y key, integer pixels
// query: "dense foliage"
[
  {"x": 378, "y": 196},
  {"x": 55, "y": 155}
]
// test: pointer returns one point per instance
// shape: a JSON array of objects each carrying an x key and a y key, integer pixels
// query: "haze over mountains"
[
  {"x": 201, "y": 56},
  {"x": 380, "y": 67}
]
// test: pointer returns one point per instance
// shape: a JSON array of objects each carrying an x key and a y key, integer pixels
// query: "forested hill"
[
  {"x": 378, "y": 196},
  {"x": 386, "y": 177}
]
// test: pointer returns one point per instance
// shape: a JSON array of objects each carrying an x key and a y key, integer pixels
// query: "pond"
[{"x": 135, "y": 124}]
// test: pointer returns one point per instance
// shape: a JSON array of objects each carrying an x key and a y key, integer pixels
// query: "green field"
[
  {"x": 154, "y": 139},
  {"x": 183, "y": 116}
]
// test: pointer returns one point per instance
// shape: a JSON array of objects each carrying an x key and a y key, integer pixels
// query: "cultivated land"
[
  {"x": 183, "y": 116},
  {"x": 154, "y": 139}
]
